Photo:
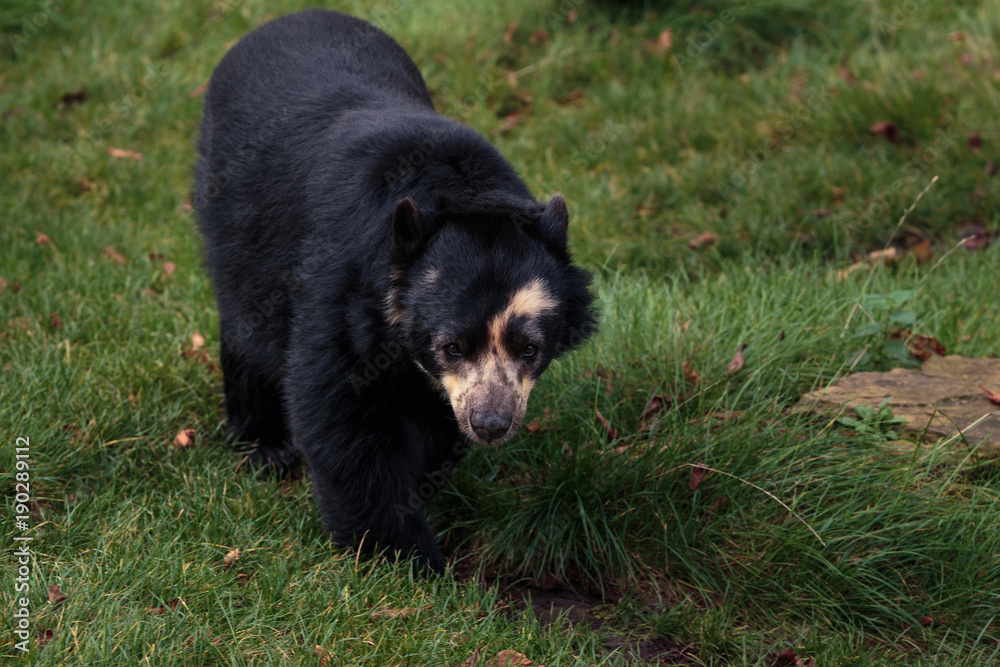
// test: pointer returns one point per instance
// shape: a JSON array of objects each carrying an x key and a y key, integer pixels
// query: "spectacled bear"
[{"x": 388, "y": 289}]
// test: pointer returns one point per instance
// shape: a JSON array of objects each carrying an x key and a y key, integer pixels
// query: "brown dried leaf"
[
  {"x": 199, "y": 91},
  {"x": 738, "y": 360},
  {"x": 69, "y": 99},
  {"x": 665, "y": 41},
  {"x": 185, "y": 438},
  {"x": 572, "y": 16},
  {"x": 44, "y": 637},
  {"x": 230, "y": 558},
  {"x": 510, "y": 121},
  {"x": 508, "y": 34},
  {"x": 886, "y": 129},
  {"x": 690, "y": 374},
  {"x": 391, "y": 612},
  {"x": 697, "y": 474},
  {"x": 922, "y": 251},
  {"x": 124, "y": 154},
  {"x": 168, "y": 269},
  {"x": 609, "y": 431},
  {"x": 991, "y": 168},
  {"x": 657, "y": 404},
  {"x": 511, "y": 659},
  {"x": 55, "y": 321},
  {"x": 56, "y": 596},
  {"x": 197, "y": 341},
  {"x": 325, "y": 655},
  {"x": 975, "y": 142},
  {"x": 993, "y": 396},
  {"x": 704, "y": 239},
  {"x": 162, "y": 609},
  {"x": 114, "y": 255},
  {"x": 42, "y": 239},
  {"x": 538, "y": 36}
]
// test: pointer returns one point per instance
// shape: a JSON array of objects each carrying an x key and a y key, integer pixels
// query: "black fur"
[{"x": 327, "y": 180}]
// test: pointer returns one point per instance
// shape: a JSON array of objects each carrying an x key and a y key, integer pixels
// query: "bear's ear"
[
  {"x": 554, "y": 222},
  {"x": 408, "y": 229}
]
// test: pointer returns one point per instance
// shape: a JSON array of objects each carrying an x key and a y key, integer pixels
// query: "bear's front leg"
[{"x": 365, "y": 465}]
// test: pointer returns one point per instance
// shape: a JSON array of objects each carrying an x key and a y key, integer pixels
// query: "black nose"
[{"x": 489, "y": 424}]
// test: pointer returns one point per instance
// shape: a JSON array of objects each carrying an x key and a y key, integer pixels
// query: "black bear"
[{"x": 388, "y": 289}]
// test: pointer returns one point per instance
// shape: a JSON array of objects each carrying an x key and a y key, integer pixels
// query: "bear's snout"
[{"x": 490, "y": 425}]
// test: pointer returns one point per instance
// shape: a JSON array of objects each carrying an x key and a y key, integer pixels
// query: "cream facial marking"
[{"x": 489, "y": 392}]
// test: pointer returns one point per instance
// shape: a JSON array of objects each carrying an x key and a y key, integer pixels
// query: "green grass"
[{"x": 744, "y": 130}]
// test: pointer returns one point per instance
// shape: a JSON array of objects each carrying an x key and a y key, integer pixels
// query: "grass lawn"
[{"x": 723, "y": 161}]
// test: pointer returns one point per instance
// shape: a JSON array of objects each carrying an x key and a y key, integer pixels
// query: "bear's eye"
[
  {"x": 529, "y": 351},
  {"x": 453, "y": 350}
]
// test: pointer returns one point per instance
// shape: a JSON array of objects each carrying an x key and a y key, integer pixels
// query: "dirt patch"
[{"x": 554, "y": 602}]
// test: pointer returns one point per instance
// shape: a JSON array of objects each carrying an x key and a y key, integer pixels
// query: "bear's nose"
[{"x": 489, "y": 424}]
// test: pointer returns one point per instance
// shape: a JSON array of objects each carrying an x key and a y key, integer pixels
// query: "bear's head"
[{"x": 483, "y": 299}]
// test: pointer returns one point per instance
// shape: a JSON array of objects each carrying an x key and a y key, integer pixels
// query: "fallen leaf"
[
  {"x": 704, "y": 239},
  {"x": 956, "y": 36},
  {"x": 510, "y": 121},
  {"x": 737, "y": 362},
  {"x": 69, "y": 99},
  {"x": 168, "y": 269},
  {"x": 993, "y": 396},
  {"x": 508, "y": 34},
  {"x": 887, "y": 130},
  {"x": 847, "y": 75},
  {"x": 162, "y": 609},
  {"x": 391, "y": 612},
  {"x": 325, "y": 655},
  {"x": 197, "y": 341},
  {"x": 697, "y": 474},
  {"x": 664, "y": 41},
  {"x": 922, "y": 251},
  {"x": 781, "y": 336},
  {"x": 538, "y": 36},
  {"x": 114, "y": 255},
  {"x": 44, "y": 637},
  {"x": 609, "y": 431},
  {"x": 572, "y": 16},
  {"x": 690, "y": 374},
  {"x": 185, "y": 438},
  {"x": 230, "y": 558},
  {"x": 975, "y": 142},
  {"x": 123, "y": 154},
  {"x": 838, "y": 193},
  {"x": 42, "y": 239},
  {"x": 200, "y": 90},
  {"x": 570, "y": 97},
  {"x": 56, "y": 596},
  {"x": 657, "y": 404},
  {"x": 823, "y": 213},
  {"x": 921, "y": 347},
  {"x": 926, "y": 621},
  {"x": 511, "y": 659},
  {"x": 991, "y": 168},
  {"x": 55, "y": 321}
]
